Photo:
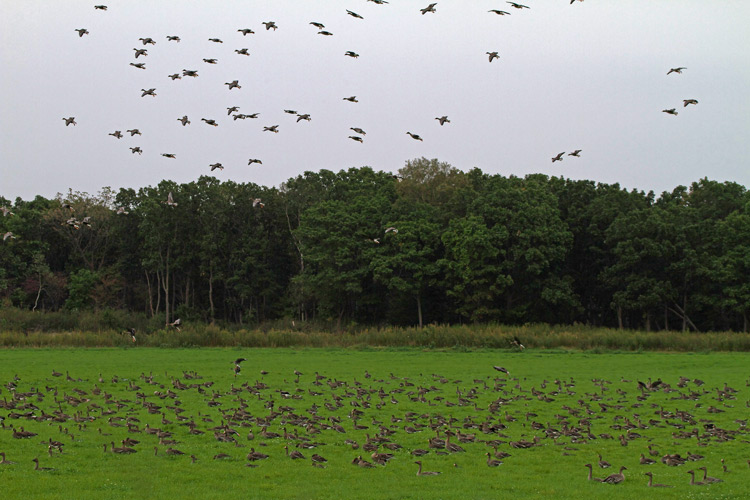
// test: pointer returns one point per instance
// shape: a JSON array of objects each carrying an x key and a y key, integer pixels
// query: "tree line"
[{"x": 463, "y": 247}]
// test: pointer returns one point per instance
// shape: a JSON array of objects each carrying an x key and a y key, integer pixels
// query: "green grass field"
[{"x": 429, "y": 390}]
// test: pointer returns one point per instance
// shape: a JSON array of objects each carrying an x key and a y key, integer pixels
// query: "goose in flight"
[
  {"x": 215, "y": 40},
  {"x": 169, "y": 155},
  {"x": 358, "y": 130},
  {"x": 254, "y": 160},
  {"x": 122, "y": 211},
  {"x": 670, "y": 111},
  {"x": 689, "y": 101},
  {"x": 190, "y": 72},
  {"x": 356, "y": 138},
  {"x": 246, "y": 31},
  {"x": 676, "y": 70},
  {"x": 254, "y": 115},
  {"x": 576, "y": 153},
  {"x": 131, "y": 332},
  {"x": 151, "y": 92},
  {"x": 134, "y": 132},
  {"x": 238, "y": 116},
  {"x": 211, "y": 61},
  {"x": 210, "y": 121},
  {"x": 136, "y": 150},
  {"x": 70, "y": 121},
  {"x": 140, "y": 52},
  {"x": 100, "y": 7},
  {"x": 414, "y": 136},
  {"x": 351, "y": 54},
  {"x": 139, "y": 65},
  {"x": 290, "y": 112},
  {"x": 354, "y": 14},
  {"x": 82, "y": 31},
  {"x": 429, "y": 8},
  {"x": 517, "y": 5},
  {"x": 391, "y": 229},
  {"x": 6, "y": 211},
  {"x": 270, "y": 25},
  {"x": 176, "y": 324},
  {"x": 147, "y": 41},
  {"x": 305, "y": 117},
  {"x": 258, "y": 203},
  {"x": 493, "y": 55},
  {"x": 173, "y": 38},
  {"x": 116, "y": 134},
  {"x": 242, "y": 52},
  {"x": 214, "y": 166},
  {"x": 233, "y": 109},
  {"x": 320, "y": 26},
  {"x": 184, "y": 120},
  {"x": 499, "y": 12},
  {"x": 351, "y": 99},
  {"x": 174, "y": 77},
  {"x": 325, "y": 33},
  {"x": 272, "y": 128},
  {"x": 378, "y": 2},
  {"x": 234, "y": 84},
  {"x": 443, "y": 120},
  {"x": 559, "y": 157},
  {"x": 8, "y": 235},
  {"x": 237, "y": 367}
]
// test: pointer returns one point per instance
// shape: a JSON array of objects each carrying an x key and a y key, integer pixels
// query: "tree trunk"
[
  {"x": 619, "y": 317},
  {"x": 165, "y": 287},
  {"x": 211, "y": 291},
  {"x": 38, "y": 293},
  {"x": 150, "y": 293},
  {"x": 419, "y": 310},
  {"x": 666, "y": 318},
  {"x": 744, "y": 322}
]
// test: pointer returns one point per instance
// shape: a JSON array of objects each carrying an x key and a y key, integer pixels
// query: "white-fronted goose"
[
  {"x": 116, "y": 134},
  {"x": 139, "y": 65},
  {"x": 173, "y": 38},
  {"x": 354, "y": 14},
  {"x": 708, "y": 479},
  {"x": 232, "y": 109},
  {"x": 246, "y": 31},
  {"x": 670, "y": 111},
  {"x": 234, "y": 84},
  {"x": 325, "y": 33},
  {"x": 414, "y": 136},
  {"x": 676, "y": 70},
  {"x": 214, "y": 166},
  {"x": 215, "y": 40},
  {"x": 140, "y": 52},
  {"x": 134, "y": 132},
  {"x": 8, "y": 235},
  {"x": 429, "y": 8},
  {"x": 169, "y": 155},
  {"x": 559, "y": 157},
  {"x": 242, "y": 52},
  {"x": 351, "y": 54},
  {"x": 517, "y": 5},
  {"x": 689, "y": 101},
  {"x": 184, "y": 120},
  {"x": 151, "y": 92},
  {"x": 147, "y": 41},
  {"x": 420, "y": 472},
  {"x": 576, "y": 153},
  {"x": 254, "y": 160},
  {"x": 270, "y": 25},
  {"x": 100, "y": 7},
  {"x": 351, "y": 98},
  {"x": 210, "y": 121},
  {"x": 190, "y": 72},
  {"x": 358, "y": 130},
  {"x": 82, "y": 31},
  {"x": 211, "y": 61},
  {"x": 258, "y": 203},
  {"x": 615, "y": 478},
  {"x": 652, "y": 484},
  {"x": 499, "y": 12},
  {"x": 175, "y": 76},
  {"x": 356, "y": 138},
  {"x": 443, "y": 120},
  {"x": 590, "y": 476},
  {"x": 320, "y": 26},
  {"x": 6, "y": 211},
  {"x": 493, "y": 55},
  {"x": 70, "y": 120},
  {"x": 36, "y": 465},
  {"x": 305, "y": 117},
  {"x": 272, "y": 128}
]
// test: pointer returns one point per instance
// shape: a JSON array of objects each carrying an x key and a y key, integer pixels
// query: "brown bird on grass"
[
  {"x": 651, "y": 483},
  {"x": 420, "y": 472},
  {"x": 615, "y": 478}
]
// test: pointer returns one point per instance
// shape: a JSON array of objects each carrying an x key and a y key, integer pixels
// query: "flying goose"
[
  {"x": 559, "y": 157},
  {"x": 272, "y": 128},
  {"x": 576, "y": 153},
  {"x": 176, "y": 324},
  {"x": 320, "y": 26},
  {"x": 429, "y": 8},
  {"x": 239, "y": 116},
  {"x": 214, "y": 166},
  {"x": 354, "y": 14},
  {"x": 190, "y": 72},
  {"x": 258, "y": 203},
  {"x": 175, "y": 76},
  {"x": 140, "y": 52},
  {"x": 116, "y": 134},
  {"x": 100, "y": 7},
  {"x": 233, "y": 84},
  {"x": 414, "y": 136},
  {"x": 669, "y": 111},
  {"x": 358, "y": 130},
  {"x": 184, "y": 120},
  {"x": 499, "y": 12},
  {"x": 210, "y": 121},
  {"x": 305, "y": 117},
  {"x": 443, "y": 120},
  {"x": 246, "y": 31},
  {"x": 8, "y": 235},
  {"x": 254, "y": 160},
  {"x": 517, "y": 5},
  {"x": 325, "y": 33},
  {"x": 70, "y": 121},
  {"x": 151, "y": 92},
  {"x": 689, "y": 101},
  {"x": 351, "y": 99},
  {"x": 122, "y": 211},
  {"x": 676, "y": 70},
  {"x": 351, "y": 54},
  {"x": 215, "y": 40},
  {"x": 131, "y": 332},
  {"x": 391, "y": 229},
  {"x": 517, "y": 343},
  {"x": 237, "y": 363},
  {"x": 356, "y": 138},
  {"x": 82, "y": 31},
  {"x": 139, "y": 65},
  {"x": 502, "y": 369},
  {"x": 420, "y": 472},
  {"x": 169, "y": 155},
  {"x": 242, "y": 52},
  {"x": 378, "y": 2},
  {"x": 270, "y": 25},
  {"x": 173, "y": 38},
  {"x": 6, "y": 211},
  {"x": 147, "y": 41},
  {"x": 134, "y": 132},
  {"x": 233, "y": 109},
  {"x": 211, "y": 61},
  {"x": 254, "y": 115},
  {"x": 290, "y": 112},
  {"x": 493, "y": 55}
]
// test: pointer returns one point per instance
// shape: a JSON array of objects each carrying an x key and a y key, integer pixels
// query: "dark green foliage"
[{"x": 467, "y": 247}]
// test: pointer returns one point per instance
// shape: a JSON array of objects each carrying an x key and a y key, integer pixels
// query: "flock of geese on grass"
[
  {"x": 304, "y": 415},
  {"x": 235, "y": 84}
]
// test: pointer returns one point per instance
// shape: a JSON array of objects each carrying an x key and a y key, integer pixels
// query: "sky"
[{"x": 591, "y": 75}]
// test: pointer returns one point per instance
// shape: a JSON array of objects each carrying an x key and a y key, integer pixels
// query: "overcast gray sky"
[{"x": 590, "y": 76}]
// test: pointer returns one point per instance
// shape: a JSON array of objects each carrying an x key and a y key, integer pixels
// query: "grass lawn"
[{"x": 431, "y": 391}]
